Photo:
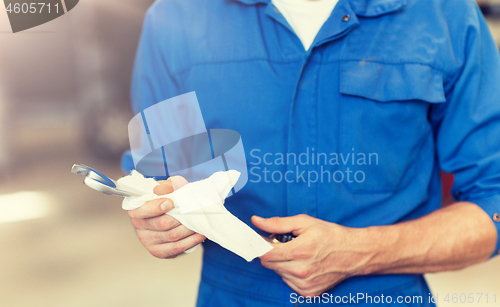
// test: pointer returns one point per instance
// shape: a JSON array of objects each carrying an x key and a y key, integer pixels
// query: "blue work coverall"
[{"x": 390, "y": 92}]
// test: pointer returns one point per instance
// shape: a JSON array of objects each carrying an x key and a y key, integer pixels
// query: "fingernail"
[
  {"x": 258, "y": 218},
  {"x": 166, "y": 205}
]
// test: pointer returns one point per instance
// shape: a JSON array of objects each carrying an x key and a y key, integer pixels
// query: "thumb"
[
  {"x": 279, "y": 225},
  {"x": 171, "y": 184}
]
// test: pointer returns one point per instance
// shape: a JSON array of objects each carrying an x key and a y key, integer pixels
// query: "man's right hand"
[{"x": 162, "y": 235}]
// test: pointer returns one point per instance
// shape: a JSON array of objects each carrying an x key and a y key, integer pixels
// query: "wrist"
[{"x": 382, "y": 244}]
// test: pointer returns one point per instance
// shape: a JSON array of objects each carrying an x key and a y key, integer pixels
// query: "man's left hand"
[{"x": 321, "y": 256}]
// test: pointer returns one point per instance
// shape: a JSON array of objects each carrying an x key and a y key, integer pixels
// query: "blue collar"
[{"x": 365, "y": 8}]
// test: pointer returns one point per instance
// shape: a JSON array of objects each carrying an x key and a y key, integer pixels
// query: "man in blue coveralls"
[{"x": 347, "y": 117}]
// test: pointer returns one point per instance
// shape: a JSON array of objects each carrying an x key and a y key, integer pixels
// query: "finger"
[
  {"x": 164, "y": 187},
  {"x": 150, "y": 237},
  {"x": 294, "y": 271},
  {"x": 283, "y": 224},
  {"x": 159, "y": 223},
  {"x": 279, "y": 266},
  {"x": 152, "y": 208},
  {"x": 170, "y": 250},
  {"x": 292, "y": 285},
  {"x": 171, "y": 184},
  {"x": 280, "y": 252},
  {"x": 303, "y": 288},
  {"x": 275, "y": 266}
]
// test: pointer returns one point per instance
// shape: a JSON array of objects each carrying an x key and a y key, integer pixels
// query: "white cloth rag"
[{"x": 200, "y": 207}]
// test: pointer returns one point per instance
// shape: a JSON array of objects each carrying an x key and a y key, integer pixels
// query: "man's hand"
[
  {"x": 322, "y": 255},
  {"x": 162, "y": 235}
]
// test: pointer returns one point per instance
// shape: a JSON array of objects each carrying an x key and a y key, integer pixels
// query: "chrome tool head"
[{"x": 100, "y": 182}]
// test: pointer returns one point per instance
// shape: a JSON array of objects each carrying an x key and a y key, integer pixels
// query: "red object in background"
[{"x": 446, "y": 183}]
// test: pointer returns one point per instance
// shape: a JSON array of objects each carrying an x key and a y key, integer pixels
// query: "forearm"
[{"x": 451, "y": 238}]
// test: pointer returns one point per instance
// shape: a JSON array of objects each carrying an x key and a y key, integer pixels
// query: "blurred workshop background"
[{"x": 64, "y": 99}]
